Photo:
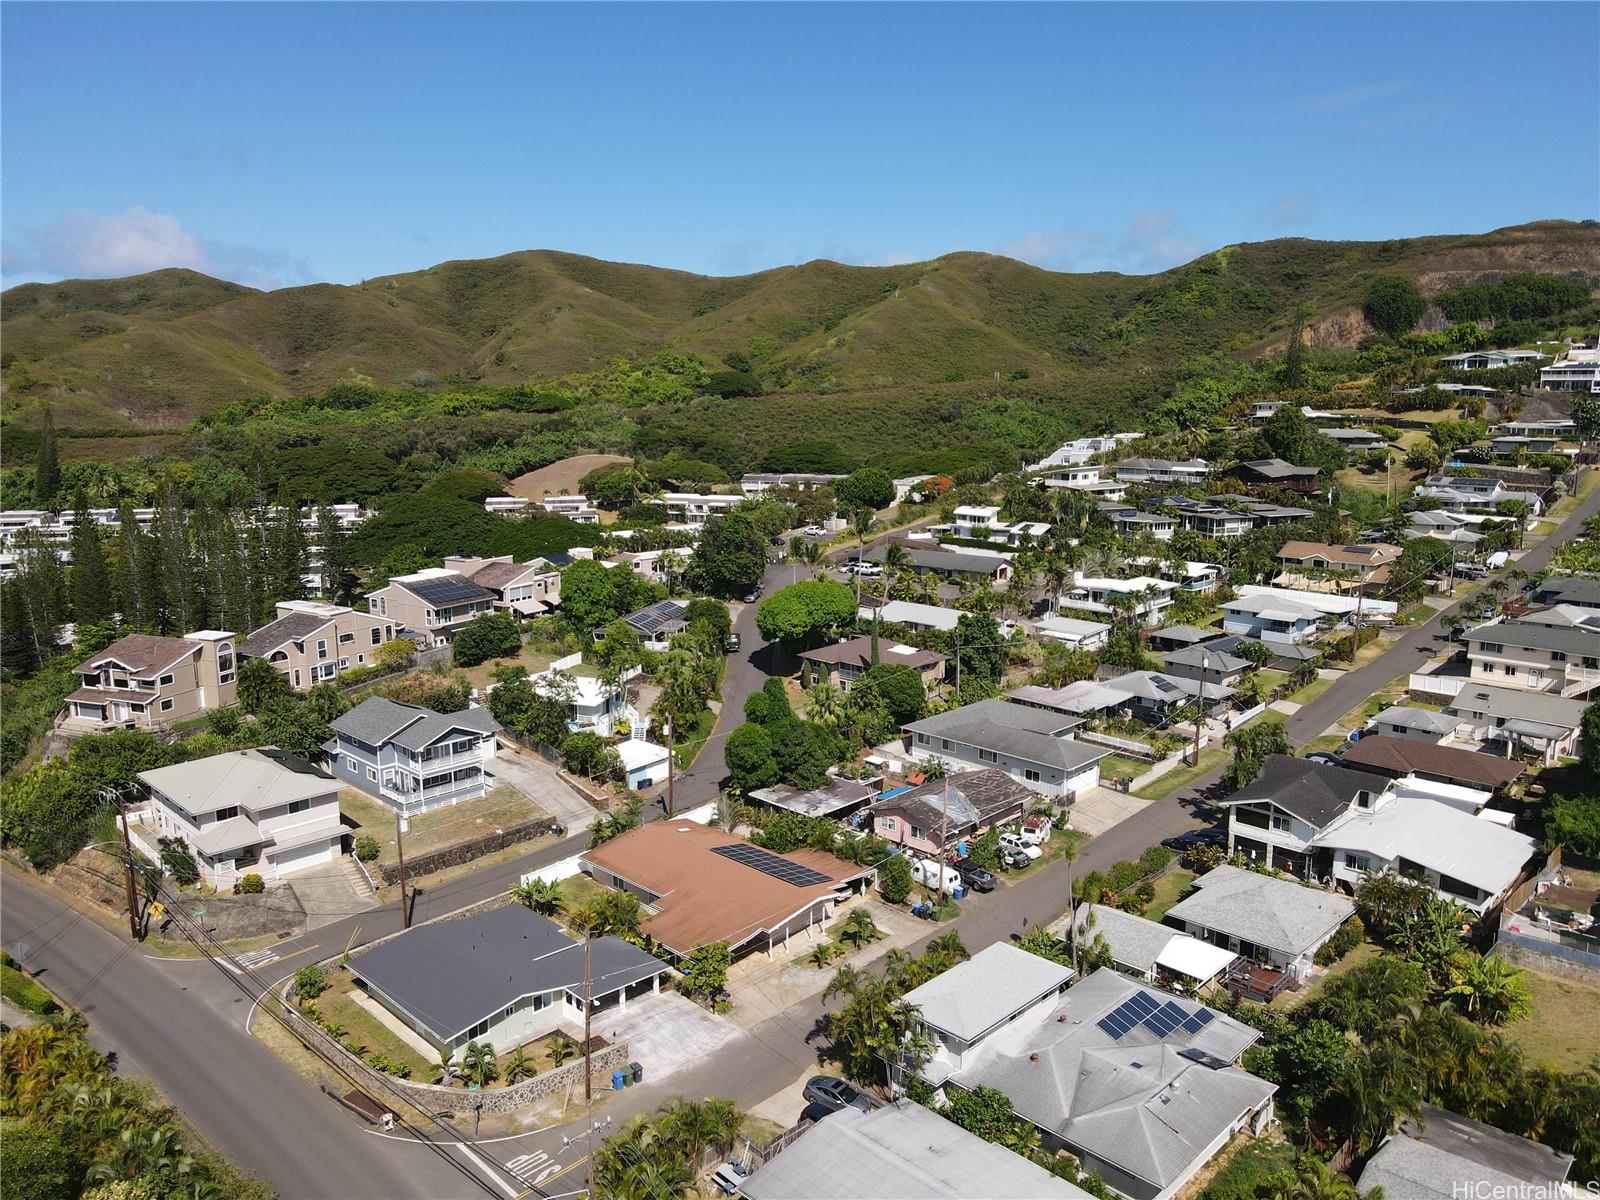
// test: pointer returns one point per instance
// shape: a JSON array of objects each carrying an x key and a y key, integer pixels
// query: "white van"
[{"x": 926, "y": 871}]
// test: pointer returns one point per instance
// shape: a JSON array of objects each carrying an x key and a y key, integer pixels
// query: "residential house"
[
  {"x": 1490, "y": 360},
  {"x": 1070, "y": 475},
  {"x": 843, "y": 663},
  {"x": 1576, "y": 369},
  {"x": 1561, "y": 659},
  {"x": 1137, "y": 1083},
  {"x": 1439, "y": 1155},
  {"x": 937, "y": 816},
  {"x": 1414, "y": 724},
  {"x": 1161, "y": 470},
  {"x": 1565, "y": 427},
  {"x": 1320, "y": 821},
  {"x": 1148, "y": 695},
  {"x": 1276, "y": 922},
  {"x": 838, "y": 798},
  {"x": 757, "y": 484},
  {"x": 1286, "y": 656},
  {"x": 411, "y": 758},
  {"x": 1143, "y": 596},
  {"x": 1263, "y": 512},
  {"x": 1568, "y": 589},
  {"x": 962, "y": 1007},
  {"x": 1131, "y": 523},
  {"x": 144, "y": 682},
  {"x": 433, "y": 604},
  {"x": 1398, "y": 757},
  {"x": 1470, "y": 493},
  {"x": 1357, "y": 441},
  {"x": 1513, "y": 446},
  {"x": 1102, "y": 489},
  {"x": 1447, "y": 527},
  {"x": 702, "y": 885},
  {"x": 644, "y": 764},
  {"x": 1511, "y": 721},
  {"x": 658, "y": 566},
  {"x": 1081, "y": 450},
  {"x": 656, "y": 623},
  {"x": 1319, "y": 567},
  {"x": 1207, "y": 518},
  {"x": 1199, "y": 577},
  {"x": 951, "y": 565},
  {"x": 506, "y": 506},
  {"x": 525, "y": 589},
  {"x": 899, "y": 1151},
  {"x": 573, "y": 508},
  {"x": 1145, "y": 949},
  {"x": 504, "y": 977},
  {"x": 982, "y": 523},
  {"x": 1201, "y": 661},
  {"x": 1032, "y": 745},
  {"x": 913, "y": 616},
  {"x": 1270, "y": 618},
  {"x": 1079, "y": 635},
  {"x": 1479, "y": 390},
  {"x": 1180, "y": 637},
  {"x": 594, "y": 705},
  {"x": 1274, "y": 472},
  {"x": 310, "y": 643},
  {"x": 695, "y": 508},
  {"x": 248, "y": 812}
]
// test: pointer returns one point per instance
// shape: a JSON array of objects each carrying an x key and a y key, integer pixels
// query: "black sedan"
[
  {"x": 833, "y": 1094},
  {"x": 975, "y": 877},
  {"x": 1197, "y": 837}
]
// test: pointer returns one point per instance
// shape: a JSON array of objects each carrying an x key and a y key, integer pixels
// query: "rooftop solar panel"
[
  {"x": 1111, "y": 1027},
  {"x": 446, "y": 591},
  {"x": 771, "y": 864},
  {"x": 1199, "y": 1021}
]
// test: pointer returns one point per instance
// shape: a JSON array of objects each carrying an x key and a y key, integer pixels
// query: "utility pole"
[
  {"x": 127, "y": 865},
  {"x": 400, "y": 852},
  {"x": 1200, "y": 706},
  {"x": 588, "y": 1008},
  {"x": 944, "y": 834},
  {"x": 671, "y": 771}
]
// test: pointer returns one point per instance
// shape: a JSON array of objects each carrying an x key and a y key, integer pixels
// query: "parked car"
[
  {"x": 975, "y": 877},
  {"x": 753, "y": 594},
  {"x": 730, "y": 1177},
  {"x": 1015, "y": 841},
  {"x": 733, "y": 643},
  {"x": 814, "y": 531},
  {"x": 833, "y": 1094},
  {"x": 1036, "y": 829},
  {"x": 929, "y": 873},
  {"x": 1013, "y": 859},
  {"x": 1197, "y": 837},
  {"x": 868, "y": 569},
  {"x": 1327, "y": 760}
]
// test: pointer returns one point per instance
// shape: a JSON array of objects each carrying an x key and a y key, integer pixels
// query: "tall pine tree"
[
  {"x": 176, "y": 563},
  {"x": 19, "y": 649},
  {"x": 337, "y": 582},
  {"x": 288, "y": 551},
  {"x": 92, "y": 598},
  {"x": 47, "y": 474},
  {"x": 125, "y": 578}
]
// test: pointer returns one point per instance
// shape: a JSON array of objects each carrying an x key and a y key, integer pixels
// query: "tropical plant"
[
  {"x": 519, "y": 1066},
  {"x": 1488, "y": 989},
  {"x": 479, "y": 1064},
  {"x": 560, "y": 1049},
  {"x": 859, "y": 929},
  {"x": 540, "y": 895}
]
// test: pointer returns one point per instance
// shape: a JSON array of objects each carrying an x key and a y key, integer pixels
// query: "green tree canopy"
[
  {"x": 1393, "y": 305},
  {"x": 748, "y": 755},
  {"x": 869, "y": 487},
  {"x": 493, "y": 635},
  {"x": 802, "y": 613},
  {"x": 729, "y": 559}
]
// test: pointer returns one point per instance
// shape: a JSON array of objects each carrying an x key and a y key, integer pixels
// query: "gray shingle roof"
[
  {"x": 992, "y": 986},
  {"x": 946, "y": 560},
  {"x": 1569, "y": 639},
  {"x": 1314, "y": 792},
  {"x": 377, "y": 722},
  {"x": 901, "y": 1151},
  {"x": 1018, "y": 730},
  {"x": 1262, "y": 909},
  {"x": 1544, "y": 708},
  {"x": 295, "y": 627},
  {"x": 1569, "y": 589},
  {"x": 1214, "y": 662},
  {"x": 1135, "y": 942},
  {"x": 450, "y": 975},
  {"x": 1407, "y": 717},
  {"x": 1446, "y": 1156},
  {"x": 1276, "y": 468},
  {"x": 252, "y": 779}
]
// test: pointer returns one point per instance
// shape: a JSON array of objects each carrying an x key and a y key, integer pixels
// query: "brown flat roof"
[
  {"x": 1404, "y": 755},
  {"x": 706, "y": 897},
  {"x": 858, "y": 650}
]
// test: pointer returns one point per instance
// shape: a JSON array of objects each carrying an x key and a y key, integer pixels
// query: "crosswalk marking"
[{"x": 256, "y": 957}]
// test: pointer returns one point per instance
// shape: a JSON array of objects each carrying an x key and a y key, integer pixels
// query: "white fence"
[{"x": 1437, "y": 685}]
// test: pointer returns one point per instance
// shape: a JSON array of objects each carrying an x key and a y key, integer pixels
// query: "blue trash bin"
[
  {"x": 618, "y": 1078},
  {"x": 959, "y": 893}
]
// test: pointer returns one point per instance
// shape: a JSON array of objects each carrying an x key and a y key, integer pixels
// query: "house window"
[
  {"x": 1357, "y": 862},
  {"x": 372, "y": 774},
  {"x": 1030, "y": 775},
  {"x": 944, "y": 743},
  {"x": 299, "y": 806},
  {"x": 988, "y": 756},
  {"x": 166, "y": 706},
  {"x": 923, "y": 739},
  {"x": 1281, "y": 823},
  {"x": 351, "y": 764},
  {"x": 916, "y": 832},
  {"x": 889, "y": 824},
  {"x": 346, "y": 637},
  {"x": 166, "y": 679},
  {"x": 322, "y": 648},
  {"x": 225, "y": 814},
  {"x": 1510, "y": 670},
  {"x": 377, "y": 636},
  {"x": 1491, "y": 647},
  {"x": 1557, "y": 657},
  {"x": 1457, "y": 887}
]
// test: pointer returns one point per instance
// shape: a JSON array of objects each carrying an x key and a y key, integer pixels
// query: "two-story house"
[
  {"x": 433, "y": 603},
  {"x": 1319, "y": 567},
  {"x": 1270, "y": 618},
  {"x": 1032, "y": 745},
  {"x": 1145, "y": 596},
  {"x": 594, "y": 705},
  {"x": 146, "y": 682},
  {"x": 525, "y": 589},
  {"x": 1161, "y": 470},
  {"x": 1207, "y": 519},
  {"x": 1562, "y": 659},
  {"x": 573, "y": 508},
  {"x": 696, "y": 508},
  {"x": 843, "y": 663},
  {"x": 1132, "y": 523},
  {"x": 982, "y": 523},
  {"x": 310, "y": 643},
  {"x": 1320, "y": 821},
  {"x": 1474, "y": 493},
  {"x": 411, "y": 758},
  {"x": 262, "y": 812},
  {"x": 1573, "y": 590},
  {"x": 1275, "y": 472}
]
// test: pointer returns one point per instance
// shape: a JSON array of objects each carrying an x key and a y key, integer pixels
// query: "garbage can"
[
  {"x": 636, "y": 1071},
  {"x": 958, "y": 893},
  {"x": 617, "y": 1077}
]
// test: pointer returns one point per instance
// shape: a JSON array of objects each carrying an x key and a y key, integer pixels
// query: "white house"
[
  {"x": 645, "y": 763},
  {"x": 1277, "y": 922},
  {"x": 1161, "y": 470},
  {"x": 1270, "y": 619},
  {"x": 262, "y": 812},
  {"x": 1575, "y": 370},
  {"x": 1147, "y": 597},
  {"x": 593, "y": 705},
  {"x": 695, "y": 508},
  {"x": 1033, "y": 746},
  {"x": 1490, "y": 360}
]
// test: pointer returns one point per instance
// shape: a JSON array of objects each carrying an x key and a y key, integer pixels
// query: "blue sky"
[{"x": 280, "y": 143}]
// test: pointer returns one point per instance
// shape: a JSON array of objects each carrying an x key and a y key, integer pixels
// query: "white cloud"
[
  {"x": 1292, "y": 212},
  {"x": 88, "y": 245},
  {"x": 1354, "y": 97},
  {"x": 1060, "y": 250}
]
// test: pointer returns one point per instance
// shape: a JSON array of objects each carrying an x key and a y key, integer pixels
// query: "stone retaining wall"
[{"x": 465, "y": 852}]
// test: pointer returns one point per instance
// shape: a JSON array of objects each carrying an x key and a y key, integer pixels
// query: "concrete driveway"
[
  {"x": 542, "y": 783},
  {"x": 1100, "y": 808},
  {"x": 328, "y": 893},
  {"x": 667, "y": 1032}
]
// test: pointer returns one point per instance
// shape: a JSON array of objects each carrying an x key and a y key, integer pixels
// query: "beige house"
[
  {"x": 1319, "y": 567},
  {"x": 433, "y": 603},
  {"x": 146, "y": 682},
  {"x": 526, "y": 589},
  {"x": 310, "y": 643}
]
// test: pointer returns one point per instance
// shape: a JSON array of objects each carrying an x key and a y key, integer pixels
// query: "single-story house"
[
  {"x": 843, "y": 663},
  {"x": 1146, "y": 949},
  {"x": 1181, "y": 637},
  {"x": 837, "y": 798},
  {"x": 1510, "y": 721},
  {"x": 1398, "y": 756},
  {"x": 656, "y": 623},
  {"x": 1032, "y": 745},
  {"x": 1357, "y": 441},
  {"x": 644, "y": 762},
  {"x": 1201, "y": 661},
  {"x": 506, "y": 977},
  {"x": 1079, "y": 635},
  {"x": 914, "y": 616},
  {"x": 961, "y": 1007},
  {"x": 1439, "y": 1155},
  {"x": 1147, "y": 694},
  {"x": 1274, "y": 472},
  {"x": 935, "y": 816},
  {"x": 1161, "y": 470},
  {"x": 951, "y": 564},
  {"x": 1415, "y": 724},
  {"x": 899, "y": 1151},
  {"x": 703, "y": 885},
  {"x": 1139, "y": 1084},
  {"x": 1569, "y": 589},
  {"x": 1273, "y": 921}
]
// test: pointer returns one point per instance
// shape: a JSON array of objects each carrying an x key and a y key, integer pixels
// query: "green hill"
[{"x": 154, "y": 352}]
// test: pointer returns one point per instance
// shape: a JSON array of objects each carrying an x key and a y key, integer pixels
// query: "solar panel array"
[
  {"x": 1162, "y": 684},
  {"x": 657, "y": 616},
  {"x": 771, "y": 864},
  {"x": 446, "y": 591},
  {"x": 1160, "y": 1019}
]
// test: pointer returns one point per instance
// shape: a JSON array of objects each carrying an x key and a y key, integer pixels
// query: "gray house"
[
  {"x": 411, "y": 758},
  {"x": 1276, "y": 921}
]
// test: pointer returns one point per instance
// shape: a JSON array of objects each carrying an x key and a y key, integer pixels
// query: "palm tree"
[
  {"x": 827, "y": 703},
  {"x": 859, "y": 928},
  {"x": 944, "y": 952},
  {"x": 1489, "y": 989},
  {"x": 1313, "y": 1180},
  {"x": 520, "y": 1066},
  {"x": 560, "y": 1049},
  {"x": 541, "y": 896},
  {"x": 479, "y": 1063},
  {"x": 445, "y": 1070}
]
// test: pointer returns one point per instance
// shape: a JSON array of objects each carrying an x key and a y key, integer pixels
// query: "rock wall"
[{"x": 465, "y": 852}]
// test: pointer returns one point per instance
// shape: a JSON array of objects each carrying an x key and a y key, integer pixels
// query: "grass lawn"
[
  {"x": 1210, "y": 758},
  {"x": 1362, "y": 953},
  {"x": 482, "y": 675},
  {"x": 1169, "y": 888},
  {"x": 443, "y": 827},
  {"x": 1117, "y": 767},
  {"x": 1563, "y": 1029},
  {"x": 1311, "y": 691},
  {"x": 1271, "y": 678},
  {"x": 364, "y": 1029},
  {"x": 692, "y": 740},
  {"x": 1586, "y": 487},
  {"x": 1061, "y": 841}
]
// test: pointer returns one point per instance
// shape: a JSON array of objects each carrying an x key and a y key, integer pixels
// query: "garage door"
[{"x": 303, "y": 856}]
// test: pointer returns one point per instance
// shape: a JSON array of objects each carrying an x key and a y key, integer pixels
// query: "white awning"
[{"x": 1196, "y": 959}]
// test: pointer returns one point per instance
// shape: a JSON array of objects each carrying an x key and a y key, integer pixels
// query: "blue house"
[
  {"x": 411, "y": 758},
  {"x": 1270, "y": 618}
]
